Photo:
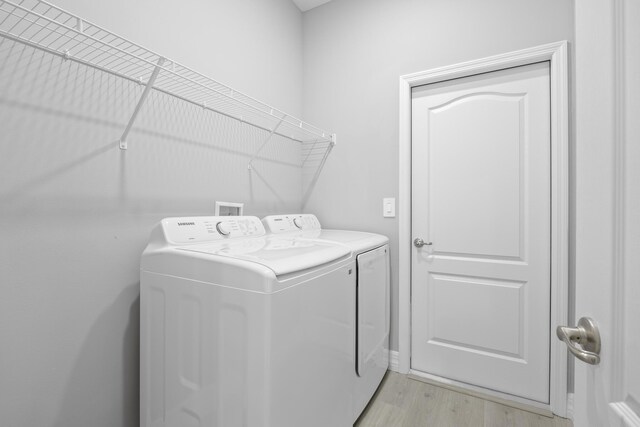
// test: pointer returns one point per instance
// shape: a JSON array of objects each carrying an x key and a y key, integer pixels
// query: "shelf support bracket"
[
  {"x": 312, "y": 184},
  {"x": 122, "y": 142},
  {"x": 264, "y": 143}
]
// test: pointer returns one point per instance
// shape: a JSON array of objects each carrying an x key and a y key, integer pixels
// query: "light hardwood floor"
[{"x": 403, "y": 402}]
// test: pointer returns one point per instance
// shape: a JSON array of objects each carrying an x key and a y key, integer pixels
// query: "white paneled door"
[
  {"x": 608, "y": 209},
  {"x": 481, "y": 179}
]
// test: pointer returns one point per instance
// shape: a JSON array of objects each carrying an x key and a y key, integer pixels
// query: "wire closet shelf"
[{"x": 45, "y": 26}]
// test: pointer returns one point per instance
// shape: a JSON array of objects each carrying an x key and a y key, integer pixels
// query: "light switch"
[{"x": 389, "y": 207}]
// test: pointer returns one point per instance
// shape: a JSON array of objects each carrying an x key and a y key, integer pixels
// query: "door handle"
[
  {"x": 418, "y": 243},
  {"x": 583, "y": 341}
]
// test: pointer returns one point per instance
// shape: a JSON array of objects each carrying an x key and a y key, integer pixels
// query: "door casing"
[{"x": 557, "y": 55}]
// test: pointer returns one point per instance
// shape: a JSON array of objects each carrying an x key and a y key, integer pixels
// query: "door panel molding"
[
  {"x": 443, "y": 160},
  {"x": 557, "y": 55},
  {"x": 509, "y": 293},
  {"x": 481, "y": 95}
]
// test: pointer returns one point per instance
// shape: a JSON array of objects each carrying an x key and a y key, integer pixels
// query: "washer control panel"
[
  {"x": 210, "y": 228},
  {"x": 285, "y": 223}
]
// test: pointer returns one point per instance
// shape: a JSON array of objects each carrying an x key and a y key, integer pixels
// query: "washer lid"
[
  {"x": 282, "y": 255},
  {"x": 358, "y": 241}
]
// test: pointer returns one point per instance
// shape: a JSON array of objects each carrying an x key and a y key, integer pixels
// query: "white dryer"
[
  {"x": 243, "y": 329},
  {"x": 371, "y": 337}
]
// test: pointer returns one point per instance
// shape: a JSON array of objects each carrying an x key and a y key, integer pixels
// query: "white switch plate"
[{"x": 389, "y": 207}]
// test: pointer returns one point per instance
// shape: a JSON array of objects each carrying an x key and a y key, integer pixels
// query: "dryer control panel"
[
  {"x": 286, "y": 223},
  {"x": 209, "y": 228}
]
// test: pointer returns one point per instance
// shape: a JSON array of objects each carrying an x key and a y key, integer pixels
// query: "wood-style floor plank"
[
  {"x": 403, "y": 402},
  {"x": 499, "y": 415}
]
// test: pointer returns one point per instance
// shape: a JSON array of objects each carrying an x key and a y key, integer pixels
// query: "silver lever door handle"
[
  {"x": 418, "y": 243},
  {"x": 583, "y": 341}
]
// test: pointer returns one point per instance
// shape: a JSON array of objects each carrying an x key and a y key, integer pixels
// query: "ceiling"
[{"x": 305, "y": 5}]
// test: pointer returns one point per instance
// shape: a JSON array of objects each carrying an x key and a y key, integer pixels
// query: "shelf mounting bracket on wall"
[
  {"x": 264, "y": 143},
  {"x": 316, "y": 175},
  {"x": 122, "y": 142}
]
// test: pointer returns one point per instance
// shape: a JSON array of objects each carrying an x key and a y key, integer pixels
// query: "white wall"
[
  {"x": 75, "y": 211},
  {"x": 354, "y": 52}
]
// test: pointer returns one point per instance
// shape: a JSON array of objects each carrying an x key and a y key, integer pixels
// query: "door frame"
[{"x": 557, "y": 55}]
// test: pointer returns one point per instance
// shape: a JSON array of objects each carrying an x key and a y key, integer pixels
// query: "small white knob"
[
  {"x": 223, "y": 228},
  {"x": 298, "y": 222}
]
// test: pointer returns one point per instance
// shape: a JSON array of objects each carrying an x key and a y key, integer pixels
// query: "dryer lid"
[{"x": 281, "y": 255}]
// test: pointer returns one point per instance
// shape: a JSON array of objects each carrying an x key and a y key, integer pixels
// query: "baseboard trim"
[
  {"x": 494, "y": 396},
  {"x": 393, "y": 361}
]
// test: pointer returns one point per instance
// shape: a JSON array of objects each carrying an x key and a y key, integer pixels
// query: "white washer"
[
  {"x": 243, "y": 329},
  {"x": 371, "y": 337}
]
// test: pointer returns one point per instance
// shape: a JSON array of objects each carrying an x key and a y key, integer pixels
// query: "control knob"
[
  {"x": 298, "y": 222},
  {"x": 223, "y": 228}
]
